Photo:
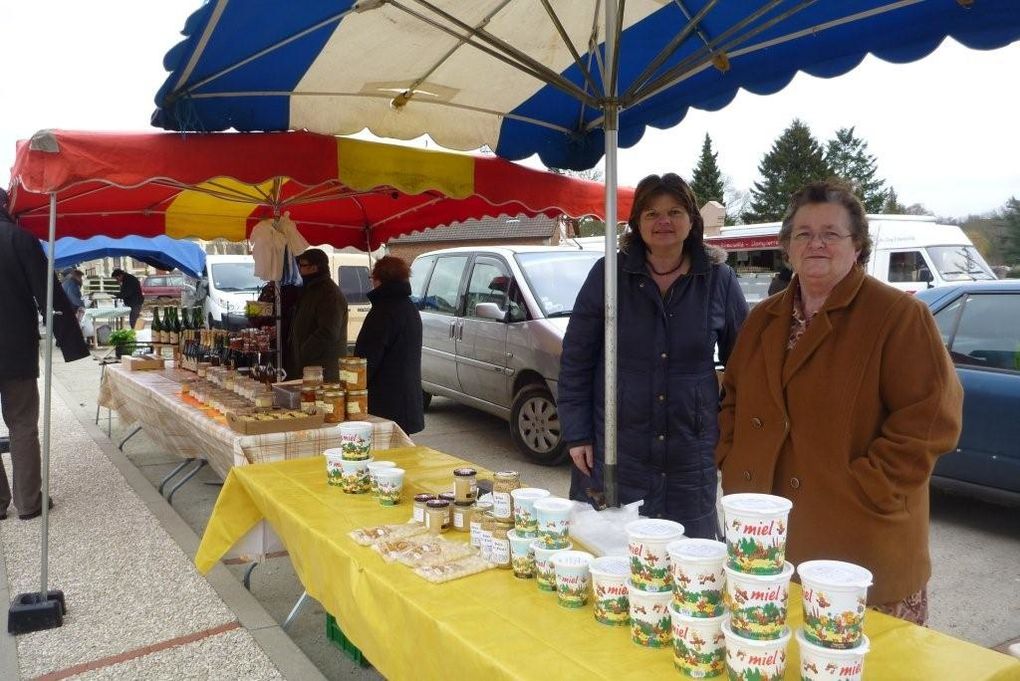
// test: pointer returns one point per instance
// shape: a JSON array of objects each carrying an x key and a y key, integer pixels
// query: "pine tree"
[
  {"x": 796, "y": 158},
  {"x": 892, "y": 205},
  {"x": 1010, "y": 216},
  {"x": 706, "y": 180},
  {"x": 848, "y": 157}
]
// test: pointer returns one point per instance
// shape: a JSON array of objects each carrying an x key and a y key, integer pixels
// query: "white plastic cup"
[
  {"x": 334, "y": 473},
  {"x": 756, "y": 532},
  {"x": 748, "y": 658},
  {"x": 650, "y": 622},
  {"x": 835, "y": 594},
  {"x": 758, "y": 604},
  {"x": 647, "y": 539},
  {"x": 699, "y": 580},
  {"x": 553, "y": 516},
  {"x": 699, "y": 647},
  {"x": 525, "y": 520},
  {"x": 356, "y": 440},
  {"x": 354, "y": 476},
  {"x": 545, "y": 573},
  {"x": 390, "y": 483},
  {"x": 609, "y": 575},
  {"x": 372, "y": 468},
  {"x": 573, "y": 579},
  {"x": 830, "y": 664},
  {"x": 522, "y": 557}
]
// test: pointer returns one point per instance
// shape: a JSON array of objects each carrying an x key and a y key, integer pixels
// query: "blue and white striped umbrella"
[{"x": 526, "y": 76}]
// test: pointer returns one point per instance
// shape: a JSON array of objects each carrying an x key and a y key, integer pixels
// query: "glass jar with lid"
[
  {"x": 465, "y": 484},
  {"x": 311, "y": 376},
  {"x": 437, "y": 516},
  {"x": 357, "y": 405},
  {"x": 354, "y": 372},
  {"x": 503, "y": 483}
]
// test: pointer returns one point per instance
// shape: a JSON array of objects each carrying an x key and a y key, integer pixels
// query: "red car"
[{"x": 165, "y": 288}]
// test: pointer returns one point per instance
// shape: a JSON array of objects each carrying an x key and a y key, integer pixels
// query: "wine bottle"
[
  {"x": 164, "y": 334},
  {"x": 157, "y": 327},
  {"x": 174, "y": 326}
]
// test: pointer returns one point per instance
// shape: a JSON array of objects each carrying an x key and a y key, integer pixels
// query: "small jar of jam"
[
  {"x": 462, "y": 511},
  {"x": 418, "y": 514},
  {"x": 334, "y": 405},
  {"x": 437, "y": 516},
  {"x": 503, "y": 483},
  {"x": 465, "y": 484},
  {"x": 481, "y": 509}
]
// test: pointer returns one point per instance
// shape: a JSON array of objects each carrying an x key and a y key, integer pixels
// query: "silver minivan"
[{"x": 493, "y": 320}]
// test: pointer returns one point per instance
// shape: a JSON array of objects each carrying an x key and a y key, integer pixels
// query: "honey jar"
[
  {"x": 481, "y": 508},
  {"x": 418, "y": 514},
  {"x": 334, "y": 405},
  {"x": 354, "y": 372},
  {"x": 465, "y": 484},
  {"x": 462, "y": 515},
  {"x": 503, "y": 483},
  {"x": 437, "y": 516},
  {"x": 357, "y": 405}
]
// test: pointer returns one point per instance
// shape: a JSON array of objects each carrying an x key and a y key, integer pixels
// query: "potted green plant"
[{"x": 123, "y": 341}]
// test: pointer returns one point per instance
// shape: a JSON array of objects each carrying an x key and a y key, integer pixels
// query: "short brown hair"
[
  {"x": 830, "y": 191},
  {"x": 391, "y": 268},
  {"x": 669, "y": 184}
]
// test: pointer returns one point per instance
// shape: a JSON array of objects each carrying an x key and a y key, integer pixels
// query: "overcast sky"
[{"x": 944, "y": 129}]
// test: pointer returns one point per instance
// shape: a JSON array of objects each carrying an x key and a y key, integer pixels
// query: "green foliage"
[
  {"x": 796, "y": 158},
  {"x": 1010, "y": 217},
  {"x": 892, "y": 205},
  {"x": 847, "y": 155},
  {"x": 706, "y": 180},
  {"x": 122, "y": 337}
]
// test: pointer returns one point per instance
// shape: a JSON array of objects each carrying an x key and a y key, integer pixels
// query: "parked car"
[
  {"x": 980, "y": 325},
  {"x": 167, "y": 288},
  {"x": 493, "y": 321}
]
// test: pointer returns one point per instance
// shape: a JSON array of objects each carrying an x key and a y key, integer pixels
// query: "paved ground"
[{"x": 975, "y": 589}]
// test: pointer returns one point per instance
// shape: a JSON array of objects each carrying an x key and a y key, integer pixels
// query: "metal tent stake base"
[{"x": 31, "y": 612}]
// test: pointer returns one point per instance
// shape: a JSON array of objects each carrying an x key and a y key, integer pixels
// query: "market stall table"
[{"x": 490, "y": 625}]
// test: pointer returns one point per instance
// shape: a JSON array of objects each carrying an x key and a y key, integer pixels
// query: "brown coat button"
[
  {"x": 747, "y": 475},
  {"x": 756, "y": 422},
  {"x": 794, "y": 483}
]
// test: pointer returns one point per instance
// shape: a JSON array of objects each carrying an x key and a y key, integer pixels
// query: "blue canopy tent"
[
  {"x": 569, "y": 81},
  {"x": 162, "y": 252}
]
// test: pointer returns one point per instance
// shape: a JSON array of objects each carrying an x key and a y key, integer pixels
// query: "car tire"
[
  {"x": 426, "y": 400},
  {"x": 535, "y": 426}
]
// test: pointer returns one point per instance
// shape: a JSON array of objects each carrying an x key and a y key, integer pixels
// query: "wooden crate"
[
  {"x": 246, "y": 427},
  {"x": 142, "y": 362}
]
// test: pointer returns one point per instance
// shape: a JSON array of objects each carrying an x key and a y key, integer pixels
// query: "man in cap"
[
  {"x": 130, "y": 292},
  {"x": 22, "y": 300},
  {"x": 318, "y": 332}
]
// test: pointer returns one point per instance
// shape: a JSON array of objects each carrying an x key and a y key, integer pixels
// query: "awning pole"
[
  {"x": 610, "y": 126},
  {"x": 47, "y": 384}
]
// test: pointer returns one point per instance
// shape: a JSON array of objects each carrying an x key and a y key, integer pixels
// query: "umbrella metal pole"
[
  {"x": 47, "y": 385},
  {"x": 278, "y": 307},
  {"x": 610, "y": 127}
]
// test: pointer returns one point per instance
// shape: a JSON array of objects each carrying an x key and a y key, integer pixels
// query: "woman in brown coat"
[{"x": 840, "y": 395}]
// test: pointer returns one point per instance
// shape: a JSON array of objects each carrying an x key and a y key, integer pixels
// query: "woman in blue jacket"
[{"x": 677, "y": 300}]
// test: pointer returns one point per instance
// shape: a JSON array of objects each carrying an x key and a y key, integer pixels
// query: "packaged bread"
[
  {"x": 444, "y": 572},
  {"x": 434, "y": 551},
  {"x": 390, "y": 549},
  {"x": 369, "y": 535}
]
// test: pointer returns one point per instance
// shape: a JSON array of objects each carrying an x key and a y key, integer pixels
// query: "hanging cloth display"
[{"x": 270, "y": 240}]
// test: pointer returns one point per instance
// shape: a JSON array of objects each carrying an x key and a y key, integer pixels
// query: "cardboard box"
[
  {"x": 142, "y": 362},
  {"x": 287, "y": 395},
  {"x": 246, "y": 427}
]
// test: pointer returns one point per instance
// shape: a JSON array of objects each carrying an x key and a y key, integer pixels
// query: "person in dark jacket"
[
  {"x": 22, "y": 299},
  {"x": 72, "y": 289},
  {"x": 781, "y": 280},
  {"x": 130, "y": 292},
  {"x": 390, "y": 339},
  {"x": 318, "y": 332},
  {"x": 676, "y": 302}
]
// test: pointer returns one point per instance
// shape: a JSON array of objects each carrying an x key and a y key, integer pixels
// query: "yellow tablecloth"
[{"x": 491, "y": 626}]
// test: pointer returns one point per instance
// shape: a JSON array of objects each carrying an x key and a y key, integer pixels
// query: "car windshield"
[
  {"x": 236, "y": 276},
  {"x": 960, "y": 263},
  {"x": 556, "y": 277}
]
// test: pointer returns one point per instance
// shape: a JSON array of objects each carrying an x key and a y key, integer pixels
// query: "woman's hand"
[{"x": 584, "y": 458}]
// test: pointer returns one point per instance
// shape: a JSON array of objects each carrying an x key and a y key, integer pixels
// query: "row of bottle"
[
  {"x": 168, "y": 324},
  {"x": 251, "y": 349}
]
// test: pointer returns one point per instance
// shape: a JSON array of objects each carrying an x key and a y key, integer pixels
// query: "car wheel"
[
  {"x": 426, "y": 400},
  {"x": 535, "y": 426}
]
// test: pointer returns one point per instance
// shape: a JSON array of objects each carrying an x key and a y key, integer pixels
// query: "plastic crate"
[{"x": 336, "y": 636}]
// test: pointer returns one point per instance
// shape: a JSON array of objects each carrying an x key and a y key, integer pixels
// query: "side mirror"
[
  {"x": 924, "y": 274},
  {"x": 489, "y": 311}
]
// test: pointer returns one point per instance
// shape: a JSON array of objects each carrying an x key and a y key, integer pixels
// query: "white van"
[
  {"x": 909, "y": 252},
  {"x": 229, "y": 282},
  {"x": 351, "y": 273}
]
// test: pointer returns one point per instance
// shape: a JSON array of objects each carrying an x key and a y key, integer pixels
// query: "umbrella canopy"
[
  {"x": 341, "y": 192},
  {"x": 161, "y": 252},
  {"x": 526, "y": 77}
]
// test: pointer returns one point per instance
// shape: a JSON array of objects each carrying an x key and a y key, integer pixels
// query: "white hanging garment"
[{"x": 269, "y": 239}]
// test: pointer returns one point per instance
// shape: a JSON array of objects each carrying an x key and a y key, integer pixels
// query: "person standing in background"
[
  {"x": 22, "y": 300},
  {"x": 130, "y": 292},
  {"x": 318, "y": 332},
  {"x": 72, "y": 289},
  {"x": 390, "y": 340}
]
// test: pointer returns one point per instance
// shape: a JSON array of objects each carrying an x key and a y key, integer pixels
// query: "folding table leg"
[
  {"x": 130, "y": 435},
  {"x": 192, "y": 473},
  {"x": 247, "y": 575},
  {"x": 295, "y": 610},
  {"x": 175, "y": 471}
]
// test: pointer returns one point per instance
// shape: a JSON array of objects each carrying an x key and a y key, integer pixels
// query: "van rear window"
[{"x": 354, "y": 283}]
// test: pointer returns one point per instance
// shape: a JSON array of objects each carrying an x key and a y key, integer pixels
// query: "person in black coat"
[
  {"x": 130, "y": 292},
  {"x": 318, "y": 330},
  {"x": 390, "y": 340},
  {"x": 677, "y": 301},
  {"x": 22, "y": 300}
]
